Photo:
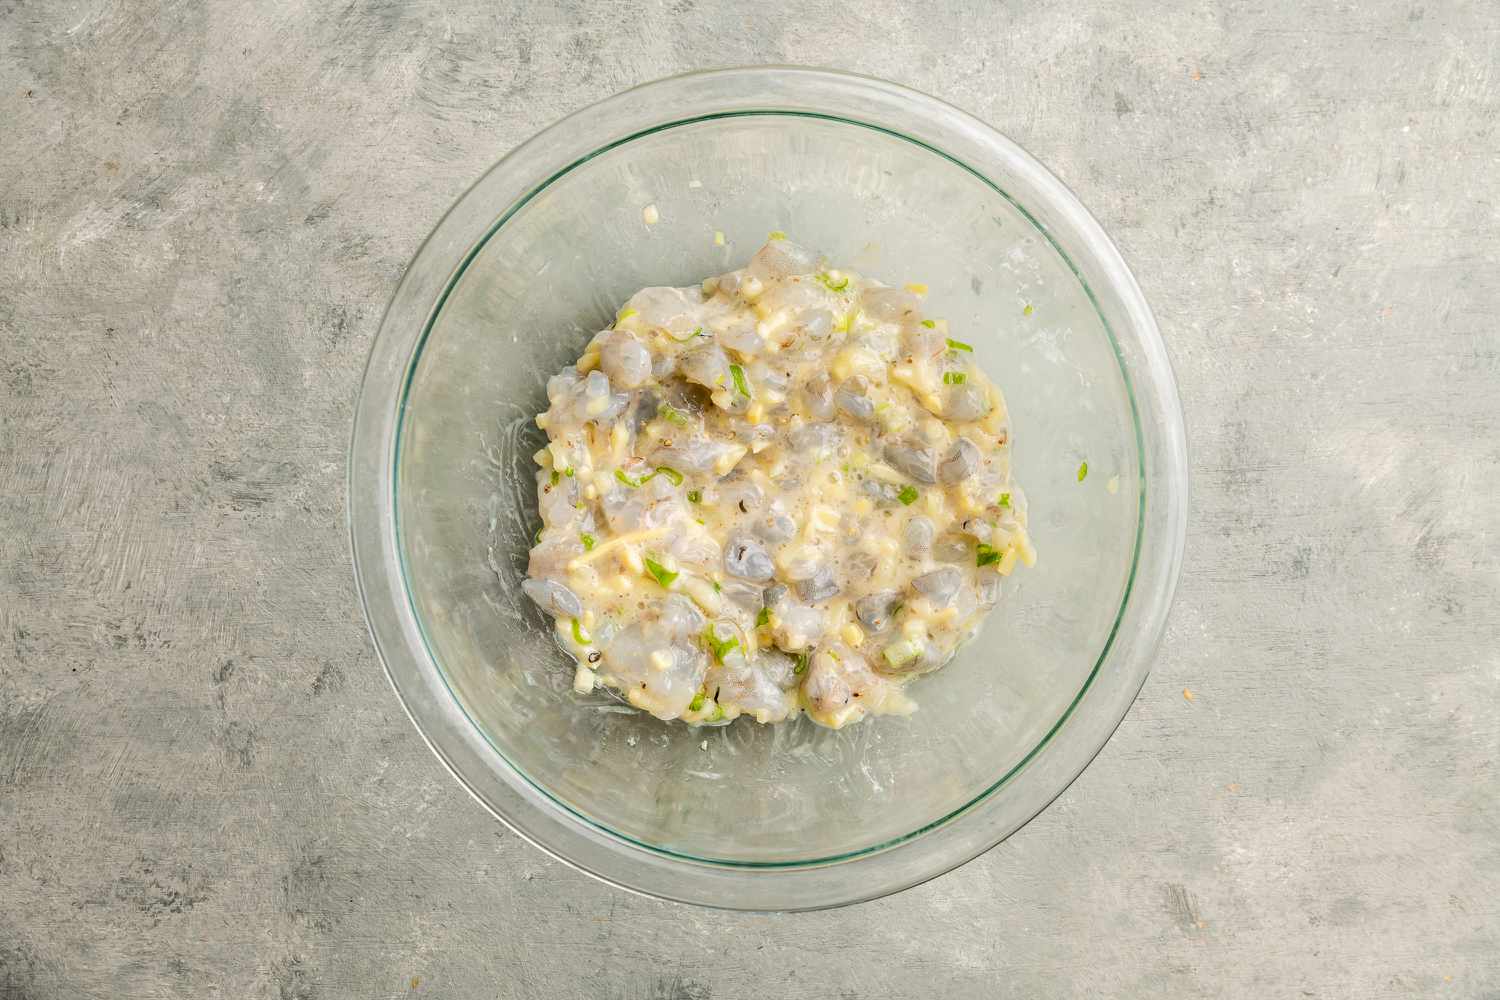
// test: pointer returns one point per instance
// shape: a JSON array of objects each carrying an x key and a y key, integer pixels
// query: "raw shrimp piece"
[{"x": 654, "y": 672}]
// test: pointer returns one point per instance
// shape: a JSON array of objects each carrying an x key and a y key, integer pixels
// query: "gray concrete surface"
[{"x": 208, "y": 790}]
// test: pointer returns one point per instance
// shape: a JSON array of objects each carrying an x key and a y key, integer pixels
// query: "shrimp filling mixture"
[{"x": 785, "y": 490}]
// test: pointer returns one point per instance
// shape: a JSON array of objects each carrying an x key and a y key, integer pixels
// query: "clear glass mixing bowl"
[{"x": 535, "y": 258}]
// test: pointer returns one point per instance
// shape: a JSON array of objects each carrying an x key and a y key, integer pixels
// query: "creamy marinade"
[{"x": 784, "y": 490}]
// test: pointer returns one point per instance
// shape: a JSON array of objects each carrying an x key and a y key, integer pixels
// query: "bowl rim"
[{"x": 378, "y": 553}]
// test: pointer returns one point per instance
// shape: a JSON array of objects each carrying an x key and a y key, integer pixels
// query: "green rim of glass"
[{"x": 731, "y": 863}]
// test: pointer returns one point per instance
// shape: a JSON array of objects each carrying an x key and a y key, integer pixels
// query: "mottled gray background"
[{"x": 207, "y": 788}]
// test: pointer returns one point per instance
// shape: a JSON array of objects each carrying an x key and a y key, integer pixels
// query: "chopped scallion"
[
  {"x": 741, "y": 386},
  {"x": 899, "y": 654},
  {"x": 763, "y": 618},
  {"x": 959, "y": 345},
  {"x": 1004, "y": 500},
  {"x": 660, "y": 573},
  {"x": 670, "y": 473},
  {"x": 696, "y": 705},
  {"x": 695, "y": 496},
  {"x": 908, "y": 495},
  {"x": 721, "y": 647},
  {"x": 697, "y": 332},
  {"x": 777, "y": 234},
  {"x": 985, "y": 554},
  {"x": 626, "y": 480},
  {"x": 579, "y": 635},
  {"x": 589, "y": 541},
  {"x": 954, "y": 378},
  {"x": 1083, "y": 471},
  {"x": 801, "y": 666}
]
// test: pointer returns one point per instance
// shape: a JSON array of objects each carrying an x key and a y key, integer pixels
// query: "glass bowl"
[{"x": 535, "y": 258}]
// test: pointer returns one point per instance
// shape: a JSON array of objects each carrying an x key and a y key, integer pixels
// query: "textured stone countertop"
[{"x": 207, "y": 788}]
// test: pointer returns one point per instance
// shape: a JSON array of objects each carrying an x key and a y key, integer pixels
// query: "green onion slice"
[
  {"x": 741, "y": 386},
  {"x": 721, "y": 647},
  {"x": 660, "y": 573},
  {"x": 899, "y": 654},
  {"x": 697, "y": 332}
]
